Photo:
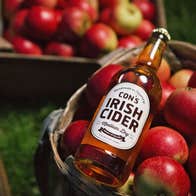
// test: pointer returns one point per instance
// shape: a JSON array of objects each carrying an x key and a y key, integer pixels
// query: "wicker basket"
[{"x": 179, "y": 54}]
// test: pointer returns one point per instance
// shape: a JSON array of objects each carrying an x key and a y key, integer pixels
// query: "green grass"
[
  {"x": 20, "y": 126},
  {"x": 19, "y": 133}
]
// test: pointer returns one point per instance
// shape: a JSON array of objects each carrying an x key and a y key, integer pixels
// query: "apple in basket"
[
  {"x": 129, "y": 41},
  {"x": 164, "y": 71},
  {"x": 145, "y": 29},
  {"x": 89, "y": 6},
  {"x": 11, "y": 6},
  {"x": 181, "y": 78},
  {"x": 147, "y": 8},
  {"x": 17, "y": 23},
  {"x": 164, "y": 141},
  {"x": 41, "y": 22},
  {"x": 98, "y": 40},
  {"x": 59, "y": 49},
  {"x": 161, "y": 175},
  {"x": 72, "y": 137},
  {"x": 124, "y": 17},
  {"x": 25, "y": 46},
  {"x": 73, "y": 25},
  {"x": 45, "y": 3},
  {"x": 167, "y": 89},
  {"x": 180, "y": 111},
  {"x": 99, "y": 82}
]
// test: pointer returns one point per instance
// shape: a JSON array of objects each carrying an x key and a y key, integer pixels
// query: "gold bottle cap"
[{"x": 162, "y": 31}]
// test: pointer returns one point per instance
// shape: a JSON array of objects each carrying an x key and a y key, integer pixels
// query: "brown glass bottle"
[{"x": 112, "y": 142}]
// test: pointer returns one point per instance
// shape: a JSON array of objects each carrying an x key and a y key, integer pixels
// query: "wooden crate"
[{"x": 28, "y": 77}]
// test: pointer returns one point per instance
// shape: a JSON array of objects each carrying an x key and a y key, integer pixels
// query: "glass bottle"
[{"x": 112, "y": 142}]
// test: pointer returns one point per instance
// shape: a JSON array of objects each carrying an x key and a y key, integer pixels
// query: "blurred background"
[{"x": 20, "y": 124}]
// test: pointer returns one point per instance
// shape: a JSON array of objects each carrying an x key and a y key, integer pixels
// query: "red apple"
[
  {"x": 73, "y": 25},
  {"x": 192, "y": 80},
  {"x": 17, "y": 23},
  {"x": 10, "y": 7},
  {"x": 192, "y": 162},
  {"x": 164, "y": 71},
  {"x": 147, "y": 8},
  {"x": 124, "y": 18},
  {"x": 161, "y": 175},
  {"x": 179, "y": 111},
  {"x": 110, "y": 3},
  {"x": 129, "y": 41},
  {"x": 41, "y": 22},
  {"x": 145, "y": 29},
  {"x": 167, "y": 89},
  {"x": 61, "y": 4},
  {"x": 72, "y": 136},
  {"x": 45, "y": 3},
  {"x": 181, "y": 78},
  {"x": 86, "y": 6},
  {"x": 25, "y": 46},
  {"x": 164, "y": 141},
  {"x": 59, "y": 49},
  {"x": 98, "y": 40},
  {"x": 99, "y": 82}
]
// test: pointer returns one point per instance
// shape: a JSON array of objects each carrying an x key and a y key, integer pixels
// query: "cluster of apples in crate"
[
  {"x": 167, "y": 161},
  {"x": 87, "y": 28}
]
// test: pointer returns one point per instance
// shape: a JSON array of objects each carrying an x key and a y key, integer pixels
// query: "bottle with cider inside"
[{"x": 112, "y": 142}]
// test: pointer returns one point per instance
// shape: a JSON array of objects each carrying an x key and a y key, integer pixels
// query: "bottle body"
[
  {"x": 112, "y": 142},
  {"x": 111, "y": 160}
]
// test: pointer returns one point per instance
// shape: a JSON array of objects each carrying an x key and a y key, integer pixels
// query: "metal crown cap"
[{"x": 163, "y": 31}]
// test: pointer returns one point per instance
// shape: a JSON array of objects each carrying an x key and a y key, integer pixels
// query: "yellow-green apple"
[
  {"x": 72, "y": 137},
  {"x": 124, "y": 18},
  {"x": 98, "y": 40},
  {"x": 59, "y": 49},
  {"x": 167, "y": 89},
  {"x": 145, "y": 29},
  {"x": 129, "y": 41},
  {"x": 164, "y": 71},
  {"x": 73, "y": 25},
  {"x": 161, "y": 175},
  {"x": 88, "y": 6},
  {"x": 180, "y": 111},
  {"x": 45, "y": 3},
  {"x": 164, "y": 141},
  {"x": 192, "y": 80},
  {"x": 41, "y": 22},
  {"x": 25, "y": 46},
  {"x": 99, "y": 83},
  {"x": 180, "y": 78},
  {"x": 147, "y": 8}
]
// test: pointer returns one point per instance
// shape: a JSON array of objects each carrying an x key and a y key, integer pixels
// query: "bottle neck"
[{"x": 152, "y": 53}]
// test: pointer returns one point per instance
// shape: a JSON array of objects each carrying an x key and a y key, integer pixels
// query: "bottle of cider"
[{"x": 112, "y": 142}]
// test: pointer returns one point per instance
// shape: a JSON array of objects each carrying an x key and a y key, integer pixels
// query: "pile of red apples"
[
  {"x": 85, "y": 28},
  {"x": 166, "y": 164}
]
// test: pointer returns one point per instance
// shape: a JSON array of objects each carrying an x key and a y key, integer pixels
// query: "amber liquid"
[{"x": 103, "y": 162}]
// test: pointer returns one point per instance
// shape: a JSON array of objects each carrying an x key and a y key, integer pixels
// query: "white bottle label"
[{"x": 122, "y": 116}]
